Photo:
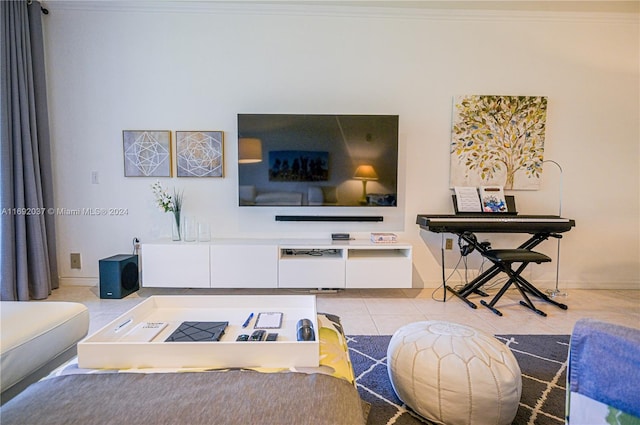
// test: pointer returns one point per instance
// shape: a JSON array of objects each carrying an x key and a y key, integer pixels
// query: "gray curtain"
[{"x": 27, "y": 232}]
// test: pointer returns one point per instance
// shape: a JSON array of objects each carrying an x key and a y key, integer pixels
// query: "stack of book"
[{"x": 384, "y": 237}]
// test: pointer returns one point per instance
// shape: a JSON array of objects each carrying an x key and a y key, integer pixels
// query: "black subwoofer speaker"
[{"x": 118, "y": 276}]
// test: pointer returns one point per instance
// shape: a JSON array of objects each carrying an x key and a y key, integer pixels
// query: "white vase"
[
  {"x": 204, "y": 232},
  {"x": 189, "y": 229}
]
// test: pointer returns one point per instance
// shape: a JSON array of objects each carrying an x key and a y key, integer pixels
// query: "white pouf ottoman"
[{"x": 454, "y": 374}]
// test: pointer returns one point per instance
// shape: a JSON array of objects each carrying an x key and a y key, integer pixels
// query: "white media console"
[{"x": 276, "y": 263}]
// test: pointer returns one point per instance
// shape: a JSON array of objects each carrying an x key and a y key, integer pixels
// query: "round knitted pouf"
[{"x": 454, "y": 374}]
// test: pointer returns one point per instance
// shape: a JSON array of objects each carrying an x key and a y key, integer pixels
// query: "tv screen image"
[
  {"x": 291, "y": 166},
  {"x": 317, "y": 160}
]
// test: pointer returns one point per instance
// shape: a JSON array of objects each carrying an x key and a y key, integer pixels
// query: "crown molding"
[{"x": 590, "y": 11}]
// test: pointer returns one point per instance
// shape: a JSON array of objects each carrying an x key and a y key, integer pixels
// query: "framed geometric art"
[
  {"x": 200, "y": 153},
  {"x": 147, "y": 153},
  {"x": 498, "y": 141}
]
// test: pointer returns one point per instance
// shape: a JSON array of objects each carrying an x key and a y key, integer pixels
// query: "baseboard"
[
  {"x": 544, "y": 285},
  {"x": 431, "y": 284},
  {"x": 78, "y": 281}
]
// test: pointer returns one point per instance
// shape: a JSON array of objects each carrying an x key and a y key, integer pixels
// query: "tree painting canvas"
[{"x": 498, "y": 141}]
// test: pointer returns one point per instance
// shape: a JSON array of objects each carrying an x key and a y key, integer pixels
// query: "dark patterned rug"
[{"x": 542, "y": 360}]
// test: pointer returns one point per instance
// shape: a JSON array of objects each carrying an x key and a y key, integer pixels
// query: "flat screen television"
[{"x": 317, "y": 160}]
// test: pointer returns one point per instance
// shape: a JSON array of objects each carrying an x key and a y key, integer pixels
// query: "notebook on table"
[{"x": 198, "y": 331}]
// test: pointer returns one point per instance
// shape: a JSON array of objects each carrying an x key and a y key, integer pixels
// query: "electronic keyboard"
[{"x": 494, "y": 223}]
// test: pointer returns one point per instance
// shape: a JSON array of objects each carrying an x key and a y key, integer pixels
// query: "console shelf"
[
  {"x": 311, "y": 268},
  {"x": 383, "y": 267},
  {"x": 277, "y": 263},
  {"x": 379, "y": 253}
]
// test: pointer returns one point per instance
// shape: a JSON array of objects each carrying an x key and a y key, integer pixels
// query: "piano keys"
[{"x": 494, "y": 223}]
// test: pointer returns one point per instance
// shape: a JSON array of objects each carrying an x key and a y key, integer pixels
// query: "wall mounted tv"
[{"x": 317, "y": 160}]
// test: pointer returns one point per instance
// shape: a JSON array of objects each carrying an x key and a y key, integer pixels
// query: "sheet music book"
[
  {"x": 482, "y": 200},
  {"x": 198, "y": 331},
  {"x": 467, "y": 199},
  {"x": 492, "y": 198}
]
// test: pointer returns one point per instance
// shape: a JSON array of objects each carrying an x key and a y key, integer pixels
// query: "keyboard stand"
[
  {"x": 540, "y": 227},
  {"x": 474, "y": 287}
]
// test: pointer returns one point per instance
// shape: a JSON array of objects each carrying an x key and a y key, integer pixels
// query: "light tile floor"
[{"x": 383, "y": 311}]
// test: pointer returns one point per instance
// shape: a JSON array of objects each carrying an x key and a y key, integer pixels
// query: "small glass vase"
[
  {"x": 189, "y": 229},
  {"x": 175, "y": 226}
]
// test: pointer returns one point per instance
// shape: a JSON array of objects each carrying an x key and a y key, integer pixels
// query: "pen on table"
[
  {"x": 123, "y": 324},
  {"x": 246, "y": 322}
]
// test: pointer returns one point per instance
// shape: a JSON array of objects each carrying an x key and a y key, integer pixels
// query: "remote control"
[
  {"x": 258, "y": 335},
  {"x": 272, "y": 337}
]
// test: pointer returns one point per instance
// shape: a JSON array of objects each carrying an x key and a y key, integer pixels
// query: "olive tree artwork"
[{"x": 498, "y": 140}]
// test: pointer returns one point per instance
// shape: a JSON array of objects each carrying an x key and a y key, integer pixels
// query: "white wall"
[{"x": 122, "y": 66}]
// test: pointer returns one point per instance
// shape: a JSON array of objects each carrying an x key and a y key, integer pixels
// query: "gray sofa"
[{"x": 604, "y": 372}]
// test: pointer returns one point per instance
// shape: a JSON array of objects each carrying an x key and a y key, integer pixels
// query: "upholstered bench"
[
  {"x": 36, "y": 337},
  {"x": 504, "y": 259}
]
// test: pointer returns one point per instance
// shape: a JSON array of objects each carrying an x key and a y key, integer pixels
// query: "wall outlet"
[
  {"x": 448, "y": 243},
  {"x": 75, "y": 260}
]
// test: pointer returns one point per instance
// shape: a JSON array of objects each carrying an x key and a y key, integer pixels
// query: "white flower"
[{"x": 165, "y": 201}]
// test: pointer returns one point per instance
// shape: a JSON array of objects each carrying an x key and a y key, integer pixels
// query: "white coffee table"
[{"x": 108, "y": 349}]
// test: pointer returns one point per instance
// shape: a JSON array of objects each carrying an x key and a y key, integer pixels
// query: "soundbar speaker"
[
  {"x": 118, "y": 276},
  {"x": 329, "y": 218}
]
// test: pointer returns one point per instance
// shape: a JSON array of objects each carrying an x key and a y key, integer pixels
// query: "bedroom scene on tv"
[{"x": 317, "y": 160}]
